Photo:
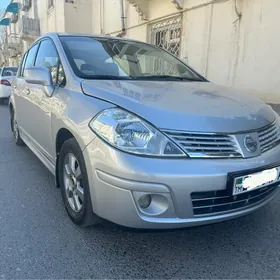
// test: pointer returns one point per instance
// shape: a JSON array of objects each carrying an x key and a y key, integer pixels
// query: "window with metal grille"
[
  {"x": 167, "y": 34},
  {"x": 50, "y": 3}
]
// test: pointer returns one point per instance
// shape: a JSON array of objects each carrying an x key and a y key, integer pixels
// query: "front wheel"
[{"x": 74, "y": 184}]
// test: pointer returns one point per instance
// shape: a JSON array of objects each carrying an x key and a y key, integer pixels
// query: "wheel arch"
[
  {"x": 62, "y": 136},
  {"x": 11, "y": 103},
  {"x": 11, "y": 110}
]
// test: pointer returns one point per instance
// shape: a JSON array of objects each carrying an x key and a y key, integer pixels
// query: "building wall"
[
  {"x": 133, "y": 19},
  {"x": 258, "y": 57},
  {"x": 111, "y": 16},
  {"x": 159, "y": 8},
  {"x": 96, "y": 15},
  {"x": 236, "y": 52},
  {"x": 78, "y": 16},
  {"x": 51, "y": 19},
  {"x": 69, "y": 17}
]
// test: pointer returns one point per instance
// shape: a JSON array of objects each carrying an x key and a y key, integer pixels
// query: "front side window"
[
  {"x": 106, "y": 58},
  {"x": 30, "y": 58},
  {"x": 47, "y": 57}
]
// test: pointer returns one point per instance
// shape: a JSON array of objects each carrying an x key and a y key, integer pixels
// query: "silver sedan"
[{"x": 135, "y": 136}]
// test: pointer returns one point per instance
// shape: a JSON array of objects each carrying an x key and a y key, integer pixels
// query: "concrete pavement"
[{"x": 37, "y": 239}]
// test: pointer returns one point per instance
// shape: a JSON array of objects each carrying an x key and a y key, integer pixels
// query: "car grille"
[
  {"x": 218, "y": 202},
  {"x": 268, "y": 137},
  {"x": 212, "y": 145},
  {"x": 200, "y": 145}
]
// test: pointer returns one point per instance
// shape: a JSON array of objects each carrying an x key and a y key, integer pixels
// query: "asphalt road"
[{"x": 37, "y": 239}]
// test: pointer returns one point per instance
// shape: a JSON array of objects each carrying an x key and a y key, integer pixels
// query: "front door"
[
  {"x": 21, "y": 92},
  {"x": 40, "y": 104}
]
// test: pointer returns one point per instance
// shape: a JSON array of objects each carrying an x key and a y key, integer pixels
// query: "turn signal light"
[{"x": 5, "y": 83}]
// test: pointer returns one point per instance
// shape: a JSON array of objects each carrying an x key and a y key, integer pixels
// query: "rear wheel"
[
  {"x": 74, "y": 184},
  {"x": 15, "y": 130}
]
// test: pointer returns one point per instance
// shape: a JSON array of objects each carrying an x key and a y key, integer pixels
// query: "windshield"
[
  {"x": 98, "y": 58},
  {"x": 9, "y": 71}
]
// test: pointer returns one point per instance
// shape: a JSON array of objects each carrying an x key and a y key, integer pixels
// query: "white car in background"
[{"x": 7, "y": 75}]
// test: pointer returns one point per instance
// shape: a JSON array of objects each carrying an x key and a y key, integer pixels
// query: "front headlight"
[{"x": 129, "y": 133}]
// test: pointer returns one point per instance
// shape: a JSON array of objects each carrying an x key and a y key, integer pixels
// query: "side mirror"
[{"x": 40, "y": 76}]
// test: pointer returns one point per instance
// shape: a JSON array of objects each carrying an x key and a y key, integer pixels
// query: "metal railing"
[
  {"x": 12, "y": 45},
  {"x": 29, "y": 27}
]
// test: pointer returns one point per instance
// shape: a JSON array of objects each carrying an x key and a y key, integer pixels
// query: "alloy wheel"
[{"x": 73, "y": 184}]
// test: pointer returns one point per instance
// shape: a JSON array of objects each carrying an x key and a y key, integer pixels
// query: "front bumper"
[{"x": 118, "y": 179}]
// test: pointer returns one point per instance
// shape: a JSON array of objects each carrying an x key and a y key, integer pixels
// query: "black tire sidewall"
[
  {"x": 18, "y": 141},
  {"x": 71, "y": 146}
]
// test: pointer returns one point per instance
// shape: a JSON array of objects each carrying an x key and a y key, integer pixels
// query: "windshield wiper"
[
  {"x": 106, "y": 77},
  {"x": 166, "y": 77}
]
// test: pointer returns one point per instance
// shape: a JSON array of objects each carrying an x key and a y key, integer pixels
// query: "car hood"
[{"x": 191, "y": 106}]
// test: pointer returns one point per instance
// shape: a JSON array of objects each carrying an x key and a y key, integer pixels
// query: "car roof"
[{"x": 58, "y": 34}]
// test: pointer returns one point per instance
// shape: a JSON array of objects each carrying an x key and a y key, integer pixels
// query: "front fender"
[{"x": 73, "y": 111}]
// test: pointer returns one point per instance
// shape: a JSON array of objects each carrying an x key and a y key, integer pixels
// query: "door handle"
[
  {"x": 27, "y": 91},
  {"x": 14, "y": 86}
]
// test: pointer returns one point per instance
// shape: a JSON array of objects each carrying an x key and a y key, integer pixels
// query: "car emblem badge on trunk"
[{"x": 250, "y": 144}]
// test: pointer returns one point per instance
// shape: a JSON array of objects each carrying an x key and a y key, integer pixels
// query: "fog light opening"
[{"x": 145, "y": 201}]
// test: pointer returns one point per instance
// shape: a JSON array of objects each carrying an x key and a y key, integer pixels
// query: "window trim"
[
  {"x": 22, "y": 68},
  {"x": 22, "y": 63},
  {"x": 58, "y": 62}
]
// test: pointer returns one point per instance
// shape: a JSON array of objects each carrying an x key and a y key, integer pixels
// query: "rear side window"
[
  {"x": 47, "y": 57},
  {"x": 30, "y": 58}
]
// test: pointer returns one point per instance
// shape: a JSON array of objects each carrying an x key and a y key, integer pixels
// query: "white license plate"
[{"x": 256, "y": 180}]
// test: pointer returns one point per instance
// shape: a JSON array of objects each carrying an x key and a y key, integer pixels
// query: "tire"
[
  {"x": 2, "y": 101},
  {"x": 15, "y": 130},
  {"x": 73, "y": 181}
]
